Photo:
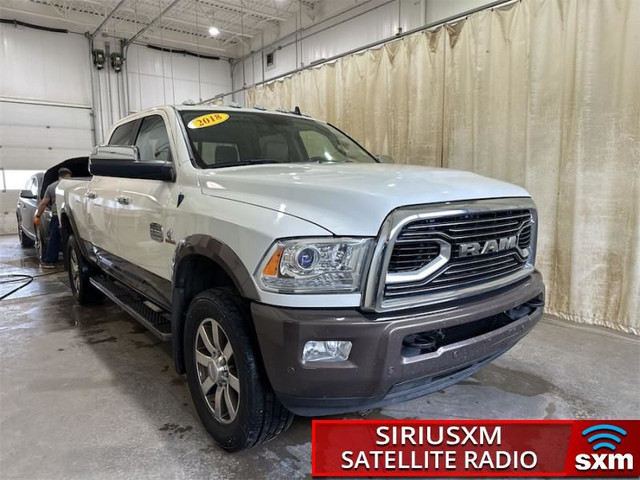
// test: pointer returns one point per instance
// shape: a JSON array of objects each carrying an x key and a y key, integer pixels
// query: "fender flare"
[{"x": 224, "y": 256}]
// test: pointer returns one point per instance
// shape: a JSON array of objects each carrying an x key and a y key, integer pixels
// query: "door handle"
[
  {"x": 90, "y": 195},
  {"x": 123, "y": 200}
]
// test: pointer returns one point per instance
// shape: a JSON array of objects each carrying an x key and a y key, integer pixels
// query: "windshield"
[{"x": 224, "y": 139}]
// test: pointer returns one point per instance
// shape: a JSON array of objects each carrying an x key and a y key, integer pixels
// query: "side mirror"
[
  {"x": 27, "y": 194},
  {"x": 384, "y": 158},
  {"x": 123, "y": 161}
]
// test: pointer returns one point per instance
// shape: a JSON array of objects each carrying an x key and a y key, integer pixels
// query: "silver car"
[
  {"x": 31, "y": 196},
  {"x": 28, "y": 201}
]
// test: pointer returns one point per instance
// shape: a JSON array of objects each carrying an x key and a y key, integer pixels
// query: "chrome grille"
[
  {"x": 461, "y": 272},
  {"x": 415, "y": 247},
  {"x": 476, "y": 227},
  {"x": 433, "y": 253}
]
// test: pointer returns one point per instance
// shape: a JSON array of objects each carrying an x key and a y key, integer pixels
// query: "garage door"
[{"x": 33, "y": 137}]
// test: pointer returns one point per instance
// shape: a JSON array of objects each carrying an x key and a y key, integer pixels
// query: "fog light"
[{"x": 326, "y": 351}]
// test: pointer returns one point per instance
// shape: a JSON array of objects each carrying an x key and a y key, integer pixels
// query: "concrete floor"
[{"x": 87, "y": 393}]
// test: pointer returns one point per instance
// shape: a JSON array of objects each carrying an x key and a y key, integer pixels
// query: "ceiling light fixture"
[{"x": 213, "y": 31}]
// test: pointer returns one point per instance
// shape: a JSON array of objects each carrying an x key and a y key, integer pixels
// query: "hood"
[{"x": 348, "y": 198}]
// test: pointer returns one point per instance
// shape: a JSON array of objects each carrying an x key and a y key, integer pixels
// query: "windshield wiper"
[
  {"x": 326, "y": 160},
  {"x": 254, "y": 161}
]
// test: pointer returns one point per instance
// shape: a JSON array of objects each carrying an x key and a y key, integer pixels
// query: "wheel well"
[
  {"x": 65, "y": 223},
  {"x": 194, "y": 274},
  {"x": 65, "y": 231},
  {"x": 197, "y": 273}
]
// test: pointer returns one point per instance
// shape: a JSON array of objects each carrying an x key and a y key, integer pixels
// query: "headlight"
[{"x": 314, "y": 265}]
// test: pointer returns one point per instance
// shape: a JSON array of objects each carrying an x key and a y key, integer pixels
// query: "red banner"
[{"x": 473, "y": 448}]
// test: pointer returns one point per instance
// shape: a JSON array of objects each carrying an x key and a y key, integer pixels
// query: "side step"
[{"x": 157, "y": 322}]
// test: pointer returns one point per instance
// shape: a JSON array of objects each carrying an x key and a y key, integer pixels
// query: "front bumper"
[{"x": 381, "y": 369}]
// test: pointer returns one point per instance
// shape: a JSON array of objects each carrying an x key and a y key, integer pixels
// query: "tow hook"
[
  {"x": 525, "y": 309},
  {"x": 425, "y": 342}
]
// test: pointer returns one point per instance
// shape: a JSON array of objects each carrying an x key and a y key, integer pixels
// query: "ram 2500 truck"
[{"x": 293, "y": 272}]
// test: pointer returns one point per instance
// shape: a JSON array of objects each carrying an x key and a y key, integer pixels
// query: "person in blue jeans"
[{"x": 49, "y": 199}]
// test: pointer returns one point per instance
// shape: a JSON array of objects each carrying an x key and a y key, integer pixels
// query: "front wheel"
[
  {"x": 24, "y": 240},
  {"x": 227, "y": 381}
]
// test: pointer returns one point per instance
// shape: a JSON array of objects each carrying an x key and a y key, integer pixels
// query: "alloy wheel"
[{"x": 217, "y": 371}]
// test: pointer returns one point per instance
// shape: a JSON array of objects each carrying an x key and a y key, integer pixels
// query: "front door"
[{"x": 144, "y": 205}]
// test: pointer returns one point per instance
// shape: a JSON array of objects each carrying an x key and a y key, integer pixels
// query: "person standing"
[{"x": 49, "y": 199}]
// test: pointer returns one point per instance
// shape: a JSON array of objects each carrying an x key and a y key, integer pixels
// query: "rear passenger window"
[
  {"x": 124, "y": 134},
  {"x": 153, "y": 140}
]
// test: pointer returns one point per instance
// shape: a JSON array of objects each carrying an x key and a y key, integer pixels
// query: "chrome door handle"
[
  {"x": 123, "y": 200},
  {"x": 90, "y": 195}
]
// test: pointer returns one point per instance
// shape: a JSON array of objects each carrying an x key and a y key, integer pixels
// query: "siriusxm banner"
[{"x": 483, "y": 448}]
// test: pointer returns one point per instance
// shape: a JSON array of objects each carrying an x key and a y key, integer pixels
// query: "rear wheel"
[
  {"x": 24, "y": 240},
  {"x": 227, "y": 381},
  {"x": 79, "y": 274}
]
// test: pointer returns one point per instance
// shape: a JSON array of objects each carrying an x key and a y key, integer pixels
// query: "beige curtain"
[{"x": 541, "y": 93}]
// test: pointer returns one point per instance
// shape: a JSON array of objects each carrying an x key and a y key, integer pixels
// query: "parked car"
[
  {"x": 30, "y": 198},
  {"x": 293, "y": 272},
  {"x": 28, "y": 202}
]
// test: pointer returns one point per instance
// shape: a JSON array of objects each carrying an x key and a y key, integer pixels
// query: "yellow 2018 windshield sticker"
[{"x": 208, "y": 120}]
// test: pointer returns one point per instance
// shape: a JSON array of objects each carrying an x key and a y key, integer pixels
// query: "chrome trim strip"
[{"x": 373, "y": 295}]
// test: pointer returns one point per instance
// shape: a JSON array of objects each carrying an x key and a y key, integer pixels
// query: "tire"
[
  {"x": 79, "y": 274},
  {"x": 24, "y": 240},
  {"x": 230, "y": 371}
]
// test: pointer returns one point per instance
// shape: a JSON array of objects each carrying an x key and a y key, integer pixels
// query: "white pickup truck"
[{"x": 293, "y": 272}]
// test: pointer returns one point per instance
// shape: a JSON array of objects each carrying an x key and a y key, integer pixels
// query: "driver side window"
[{"x": 153, "y": 140}]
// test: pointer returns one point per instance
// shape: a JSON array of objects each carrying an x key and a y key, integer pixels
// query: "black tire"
[
  {"x": 79, "y": 274},
  {"x": 24, "y": 240},
  {"x": 259, "y": 415}
]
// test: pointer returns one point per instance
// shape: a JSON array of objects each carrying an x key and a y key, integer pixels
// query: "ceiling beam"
[
  {"x": 224, "y": 30},
  {"x": 106, "y": 19},
  {"x": 152, "y": 22},
  {"x": 166, "y": 41},
  {"x": 240, "y": 9}
]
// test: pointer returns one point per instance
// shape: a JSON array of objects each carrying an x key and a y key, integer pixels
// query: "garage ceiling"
[{"x": 175, "y": 23}]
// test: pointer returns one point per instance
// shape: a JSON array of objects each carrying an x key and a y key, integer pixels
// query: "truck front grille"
[
  {"x": 415, "y": 248},
  {"x": 460, "y": 273},
  {"x": 434, "y": 253}
]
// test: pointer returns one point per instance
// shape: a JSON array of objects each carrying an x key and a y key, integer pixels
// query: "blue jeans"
[{"x": 53, "y": 247}]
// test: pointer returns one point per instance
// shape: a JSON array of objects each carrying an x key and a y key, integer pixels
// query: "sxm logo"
[{"x": 605, "y": 437}]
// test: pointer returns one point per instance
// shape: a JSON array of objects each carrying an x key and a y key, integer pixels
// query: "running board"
[{"x": 157, "y": 322}]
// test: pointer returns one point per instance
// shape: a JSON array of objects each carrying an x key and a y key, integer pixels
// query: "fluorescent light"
[{"x": 213, "y": 31}]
